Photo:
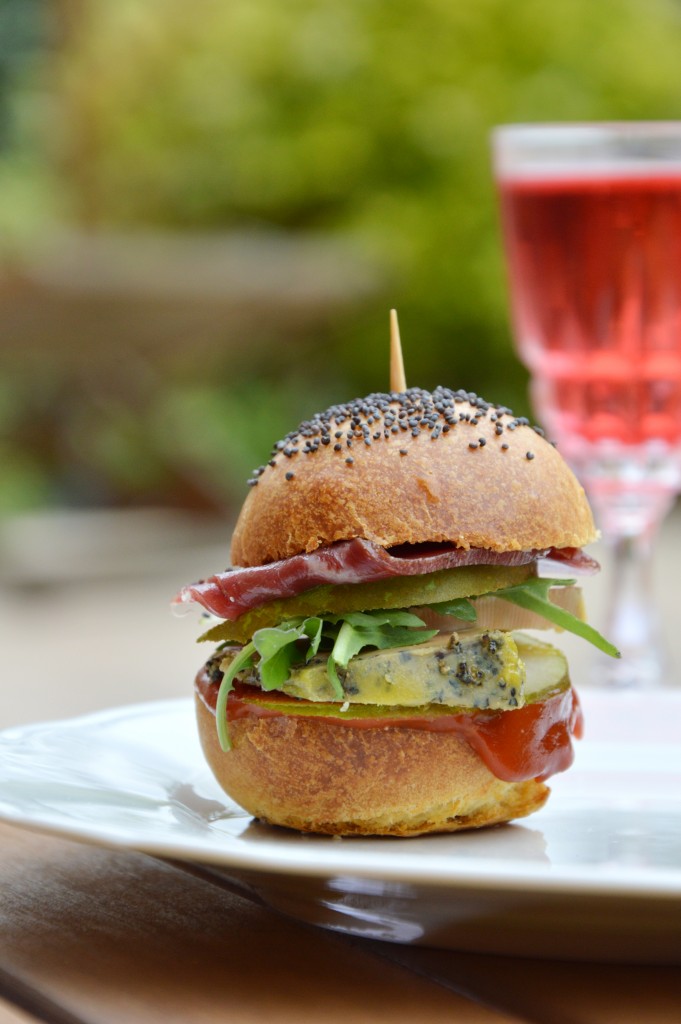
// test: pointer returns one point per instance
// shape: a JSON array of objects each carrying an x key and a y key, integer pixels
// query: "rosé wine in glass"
[{"x": 591, "y": 217}]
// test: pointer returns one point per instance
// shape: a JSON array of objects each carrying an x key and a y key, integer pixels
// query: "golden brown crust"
[
  {"x": 442, "y": 489},
  {"x": 318, "y": 777}
]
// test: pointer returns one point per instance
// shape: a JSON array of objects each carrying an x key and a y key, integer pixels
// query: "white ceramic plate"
[{"x": 596, "y": 874}]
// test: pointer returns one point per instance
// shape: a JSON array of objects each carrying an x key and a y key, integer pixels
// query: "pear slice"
[{"x": 495, "y": 613}]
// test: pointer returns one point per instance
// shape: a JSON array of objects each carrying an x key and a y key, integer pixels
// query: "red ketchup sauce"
[{"x": 532, "y": 742}]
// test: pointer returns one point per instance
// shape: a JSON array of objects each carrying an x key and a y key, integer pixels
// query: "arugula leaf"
[
  {"x": 242, "y": 660},
  {"x": 381, "y": 629},
  {"x": 349, "y": 642},
  {"x": 314, "y": 630},
  {"x": 279, "y": 648},
  {"x": 460, "y": 607},
  {"x": 380, "y": 617},
  {"x": 533, "y": 595},
  {"x": 279, "y": 651}
]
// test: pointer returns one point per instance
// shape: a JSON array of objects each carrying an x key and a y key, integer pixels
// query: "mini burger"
[{"x": 373, "y": 674}]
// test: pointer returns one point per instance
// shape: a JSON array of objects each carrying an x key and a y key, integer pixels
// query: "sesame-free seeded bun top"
[{"x": 409, "y": 468}]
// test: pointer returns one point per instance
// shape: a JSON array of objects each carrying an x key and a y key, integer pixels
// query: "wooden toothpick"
[{"x": 398, "y": 381}]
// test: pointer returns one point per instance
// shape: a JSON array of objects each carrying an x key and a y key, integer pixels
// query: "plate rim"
[{"x": 335, "y": 857}]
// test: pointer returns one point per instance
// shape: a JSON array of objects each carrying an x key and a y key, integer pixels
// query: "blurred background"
[{"x": 206, "y": 212}]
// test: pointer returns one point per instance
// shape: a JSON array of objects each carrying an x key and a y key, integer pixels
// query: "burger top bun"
[{"x": 411, "y": 467}]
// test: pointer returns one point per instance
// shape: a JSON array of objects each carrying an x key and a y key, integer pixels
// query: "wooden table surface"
[{"x": 89, "y": 934}]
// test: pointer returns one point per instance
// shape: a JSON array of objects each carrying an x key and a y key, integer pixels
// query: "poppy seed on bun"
[{"x": 409, "y": 468}]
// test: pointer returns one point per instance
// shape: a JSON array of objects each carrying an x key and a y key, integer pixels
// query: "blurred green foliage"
[{"x": 365, "y": 119}]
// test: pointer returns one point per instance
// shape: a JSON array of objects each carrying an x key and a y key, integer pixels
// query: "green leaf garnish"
[
  {"x": 279, "y": 648},
  {"x": 380, "y": 629},
  {"x": 533, "y": 595},
  {"x": 460, "y": 608},
  {"x": 242, "y": 660}
]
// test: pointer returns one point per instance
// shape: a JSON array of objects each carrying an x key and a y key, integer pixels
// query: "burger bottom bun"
[{"x": 320, "y": 777}]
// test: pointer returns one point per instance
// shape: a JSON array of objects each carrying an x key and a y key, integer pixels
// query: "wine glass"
[{"x": 591, "y": 218}]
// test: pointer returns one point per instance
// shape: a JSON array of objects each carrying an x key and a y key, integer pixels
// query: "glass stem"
[{"x": 632, "y": 622}]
